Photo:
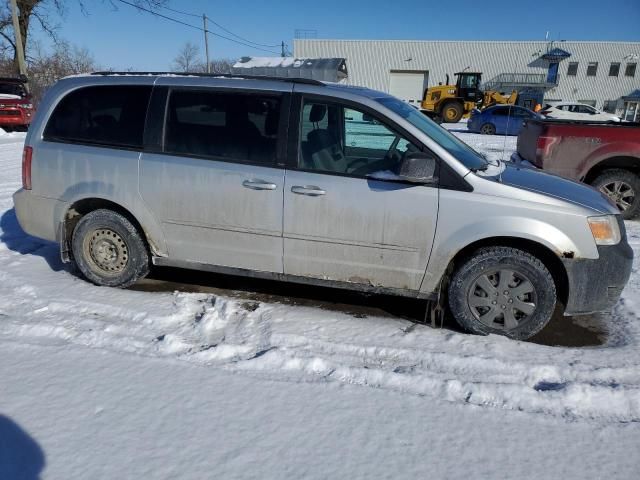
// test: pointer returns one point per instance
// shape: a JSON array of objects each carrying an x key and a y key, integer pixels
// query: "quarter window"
[
  {"x": 111, "y": 116},
  {"x": 572, "y": 71},
  {"x": 592, "y": 69},
  {"x": 614, "y": 69},
  {"x": 630, "y": 70},
  {"x": 242, "y": 127},
  {"x": 337, "y": 139}
]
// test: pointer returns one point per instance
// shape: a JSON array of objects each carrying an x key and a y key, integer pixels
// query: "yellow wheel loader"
[{"x": 449, "y": 103}]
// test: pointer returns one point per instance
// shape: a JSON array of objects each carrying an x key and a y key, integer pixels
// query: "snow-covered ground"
[{"x": 105, "y": 383}]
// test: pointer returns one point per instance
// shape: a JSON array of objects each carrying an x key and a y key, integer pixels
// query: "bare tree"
[
  {"x": 45, "y": 68},
  {"x": 188, "y": 59},
  {"x": 45, "y": 13},
  {"x": 222, "y": 65}
]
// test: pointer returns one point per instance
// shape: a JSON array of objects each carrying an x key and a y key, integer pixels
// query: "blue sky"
[{"x": 126, "y": 38}]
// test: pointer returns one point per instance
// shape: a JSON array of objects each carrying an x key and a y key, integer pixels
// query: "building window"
[
  {"x": 609, "y": 106},
  {"x": 630, "y": 71},
  {"x": 552, "y": 74},
  {"x": 592, "y": 68},
  {"x": 614, "y": 69},
  {"x": 572, "y": 71}
]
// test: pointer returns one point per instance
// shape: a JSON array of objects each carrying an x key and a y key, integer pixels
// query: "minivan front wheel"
[
  {"x": 108, "y": 249},
  {"x": 504, "y": 291}
]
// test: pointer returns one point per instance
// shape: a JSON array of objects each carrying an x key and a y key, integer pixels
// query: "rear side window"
[
  {"x": 105, "y": 115},
  {"x": 242, "y": 127}
]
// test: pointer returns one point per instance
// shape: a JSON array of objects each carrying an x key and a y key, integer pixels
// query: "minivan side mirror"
[{"x": 417, "y": 167}]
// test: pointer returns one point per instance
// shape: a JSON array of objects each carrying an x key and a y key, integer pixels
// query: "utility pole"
[
  {"x": 18, "y": 36},
  {"x": 206, "y": 42},
  {"x": 283, "y": 52}
]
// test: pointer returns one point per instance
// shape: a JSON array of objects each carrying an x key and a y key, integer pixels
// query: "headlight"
[
  {"x": 26, "y": 105},
  {"x": 605, "y": 229}
]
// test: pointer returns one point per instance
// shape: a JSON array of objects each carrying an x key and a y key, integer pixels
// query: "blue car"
[{"x": 500, "y": 119}]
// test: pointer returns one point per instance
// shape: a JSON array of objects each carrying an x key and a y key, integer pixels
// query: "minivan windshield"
[{"x": 456, "y": 147}]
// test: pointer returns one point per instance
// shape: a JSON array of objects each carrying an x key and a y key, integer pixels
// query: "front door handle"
[
  {"x": 258, "y": 185},
  {"x": 310, "y": 190}
]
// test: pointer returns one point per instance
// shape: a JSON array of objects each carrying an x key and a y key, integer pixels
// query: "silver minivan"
[{"x": 310, "y": 182}]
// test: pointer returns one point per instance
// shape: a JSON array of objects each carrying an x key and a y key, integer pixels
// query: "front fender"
[{"x": 450, "y": 241}]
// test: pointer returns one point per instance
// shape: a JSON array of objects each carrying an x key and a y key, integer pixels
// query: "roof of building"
[
  {"x": 556, "y": 54},
  {"x": 635, "y": 95}
]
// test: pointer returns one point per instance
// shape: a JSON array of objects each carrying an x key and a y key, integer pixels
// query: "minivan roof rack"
[{"x": 309, "y": 81}]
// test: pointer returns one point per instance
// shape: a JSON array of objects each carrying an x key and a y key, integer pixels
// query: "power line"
[
  {"x": 182, "y": 12},
  {"x": 241, "y": 38},
  {"x": 159, "y": 14},
  {"x": 194, "y": 27}
]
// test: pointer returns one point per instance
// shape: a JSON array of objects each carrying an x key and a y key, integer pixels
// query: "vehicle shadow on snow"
[
  {"x": 21, "y": 457},
  {"x": 588, "y": 331},
  {"x": 19, "y": 241}
]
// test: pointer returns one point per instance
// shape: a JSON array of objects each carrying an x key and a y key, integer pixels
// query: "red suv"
[{"x": 16, "y": 109}]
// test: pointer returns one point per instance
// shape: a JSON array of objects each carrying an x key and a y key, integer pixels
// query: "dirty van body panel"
[
  {"x": 209, "y": 216},
  {"x": 360, "y": 231},
  {"x": 497, "y": 209},
  {"x": 68, "y": 172},
  {"x": 216, "y": 206}
]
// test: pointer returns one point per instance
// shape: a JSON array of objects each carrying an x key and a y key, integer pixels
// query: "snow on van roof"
[{"x": 323, "y": 69}]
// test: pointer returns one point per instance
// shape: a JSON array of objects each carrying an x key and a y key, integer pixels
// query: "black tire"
[
  {"x": 488, "y": 129},
  {"x": 488, "y": 263},
  {"x": 108, "y": 249},
  {"x": 452, "y": 112},
  {"x": 623, "y": 188}
]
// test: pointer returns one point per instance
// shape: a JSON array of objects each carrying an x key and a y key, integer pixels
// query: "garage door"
[{"x": 408, "y": 86}]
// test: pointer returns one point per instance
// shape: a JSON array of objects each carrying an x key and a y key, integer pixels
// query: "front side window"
[
  {"x": 592, "y": 69},
  {"x": 469, "y": 81},
  {"x": 111, "y": 116},
  {"x": 241, "y": 127},
  {"x": 587, "y": 106},
  {"x": 452, "y": 144},
  {"x": 342, "y": 140},
  {"x": 500, "y": 112}
]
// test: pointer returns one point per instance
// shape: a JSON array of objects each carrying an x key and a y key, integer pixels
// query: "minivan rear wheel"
[
  {"x": 504, "y": 291},
  {"x": 109, "y": 250}
]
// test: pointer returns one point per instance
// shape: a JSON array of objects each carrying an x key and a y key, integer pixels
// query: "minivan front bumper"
[{"x": 596, "y": 285}]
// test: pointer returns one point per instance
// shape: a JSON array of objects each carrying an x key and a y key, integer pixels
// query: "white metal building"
[{"x": 602, "y": 74}]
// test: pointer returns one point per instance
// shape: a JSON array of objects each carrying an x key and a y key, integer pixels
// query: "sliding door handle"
[
  {"x": 310, "y": 190},
  {"x": 258, "y": 185}
]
